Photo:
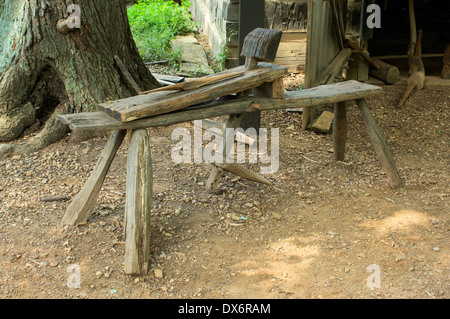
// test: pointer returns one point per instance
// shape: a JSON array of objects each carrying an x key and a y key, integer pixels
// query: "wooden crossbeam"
[{"x": 331, "y": 93}]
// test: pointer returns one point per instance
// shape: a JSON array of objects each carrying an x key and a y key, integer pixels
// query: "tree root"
[{"x": 52, "y": 132}]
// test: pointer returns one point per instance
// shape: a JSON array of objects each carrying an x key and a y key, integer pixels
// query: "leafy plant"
[{"x": 155, "y": 23}]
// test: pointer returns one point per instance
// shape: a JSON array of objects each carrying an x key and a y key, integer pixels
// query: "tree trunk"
[{"x": 46, "y": 70}]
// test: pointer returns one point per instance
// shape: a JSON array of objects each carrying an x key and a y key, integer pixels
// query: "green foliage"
[{"x": 155, "y": 23}]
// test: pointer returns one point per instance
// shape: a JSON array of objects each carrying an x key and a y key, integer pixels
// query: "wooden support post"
[
  {"x": 259, "y": 45},
  {"x": 82, "y": 205},
  {"x": 227, "y": 142},
  {"x": 339, "y": 130},
  {"x": 445, "y": 74},
  {"x": 380, "y": 145},
  {"x": 138, "y": 204}
]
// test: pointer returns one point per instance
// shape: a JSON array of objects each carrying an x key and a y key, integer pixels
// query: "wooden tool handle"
[
  {"x": 417, "y": 49},
  {"x": 408, "y": 91},
  {"x": 365, "y": 56}
]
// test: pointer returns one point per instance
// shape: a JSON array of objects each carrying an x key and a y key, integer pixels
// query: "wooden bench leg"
[
  {"x": 138, "y": 204},
  {"x": 233, "y": 123},
  {"x": 380, "y": 145},
  {"x": 339, "y": 130},
  {"x": 82, "y": 205}
]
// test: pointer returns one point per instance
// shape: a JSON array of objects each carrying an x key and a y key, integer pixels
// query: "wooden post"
[
  {"x": 82, "y": 205},
  {"x": 138, "y": 204},
  {"x": 259, "y": 45},
  {"x": 380, "y": 145},
  {"x": 339, "y": 130},
  {"x": 233, "y": 123},
  {"x": 445, "y": 74}
]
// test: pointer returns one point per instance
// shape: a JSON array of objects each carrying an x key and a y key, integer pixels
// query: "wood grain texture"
[
  {"x": 331, "y": 93},
  {"x": 262, "y": 44},
  {"x": 380, "y": 146},
  {"x": 142, "y": 106},
  {"x": 138, "y": 204}
]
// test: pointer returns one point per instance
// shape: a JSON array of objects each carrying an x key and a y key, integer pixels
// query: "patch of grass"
[{"x": 155, "y": 23}]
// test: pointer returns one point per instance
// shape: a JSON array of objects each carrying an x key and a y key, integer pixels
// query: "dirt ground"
[{"x": 324, "y": 230}]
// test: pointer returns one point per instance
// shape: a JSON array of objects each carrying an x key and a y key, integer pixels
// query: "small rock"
[
  {"x": 158, "y": 273},
  {"x": 332, "y": 233},
  {"x": 276, "y": 215},
  {"x": 53, "y": 263},
  {"x": 436, "y": 248}
]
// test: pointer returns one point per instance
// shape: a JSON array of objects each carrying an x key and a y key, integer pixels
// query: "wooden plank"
[
  {"x": 194, "y": 83},
  {"x": 138, "y": 204},
  {"x": 380, "y": 145},
  {"x": 141, "y": 106},
  {"x": 331, "y": 93},
  {"x": 82, "y": 205},
  {"x": 323, "y": 122},
  {"x": 328, "y": 75},
  {"x": 127, "y": 74}
]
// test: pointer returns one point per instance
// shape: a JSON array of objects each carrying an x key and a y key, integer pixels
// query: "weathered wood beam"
[
  {"x": 138, "y": 204},
  {"x": 339, "y": 130},
  {"x": 142, "y": 106},
  {"x": 259, "y": 45},
  {"x": 83, "y": 203},
  {"x": 331, "y": 93},
  {"x": 380, "y": 146}
]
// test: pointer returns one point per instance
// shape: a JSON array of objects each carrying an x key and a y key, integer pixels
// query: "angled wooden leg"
[
  {"x": 138, "y": 204},
  {"x": 233, "y": 123},
  {"x": 82, "y": 205},
  {"x": 339, "y": 130},
  {"x": 380, "y": 145}
]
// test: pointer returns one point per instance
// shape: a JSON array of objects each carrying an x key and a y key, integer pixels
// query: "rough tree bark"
[{"x": 45, "y": 71}]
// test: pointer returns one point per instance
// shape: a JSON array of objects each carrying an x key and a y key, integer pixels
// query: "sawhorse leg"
[
  {"x": 227, "y": 141},
  {"x": 82, "y": 205},
  {"x": 138, "y": 204},
  {"x": 376, "y": 138},
  {"x": 380, "y": 145},
  {"x": 227, "y": 144}
]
